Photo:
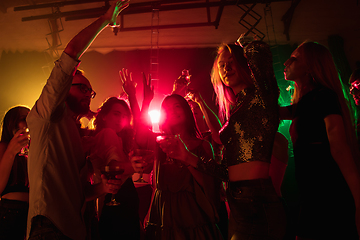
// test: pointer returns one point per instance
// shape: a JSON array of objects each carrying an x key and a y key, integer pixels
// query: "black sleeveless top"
[{"x": 18, "y": 179}]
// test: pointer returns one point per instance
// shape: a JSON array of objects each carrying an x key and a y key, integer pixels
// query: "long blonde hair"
[
  {"x": 225, "y": 97},
  {"x": 322, "y": 69}
]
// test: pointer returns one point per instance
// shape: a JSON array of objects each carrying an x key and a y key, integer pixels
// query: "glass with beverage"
[
  {"x": 166, "y": 140},
  {"x": 147, "y": 157},
  {"x": 25, "y": 150},
  {"x": 110, "y": 172}
]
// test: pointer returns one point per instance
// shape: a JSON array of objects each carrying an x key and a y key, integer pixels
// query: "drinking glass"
[
  {"x": 160, "y": 139},
  {"x": 25, "y": 150},
  {"x": 110, "y": 172},
  {"x": 147, "y": 156}
]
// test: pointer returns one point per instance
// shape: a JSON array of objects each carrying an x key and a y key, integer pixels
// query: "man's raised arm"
[{"x": 78, "y": 45}]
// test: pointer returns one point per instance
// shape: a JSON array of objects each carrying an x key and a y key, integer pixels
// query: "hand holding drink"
[
  {"x": 166, "y": 142},
  {"x": 169, "y": 144},
  {"x": 25, "y": 150},
  {"x": 19, "y": 144},
  {"x": 140, "y": 159},
  {"x": 110, "y": 171},
  {"x": 174, "y": 147}
]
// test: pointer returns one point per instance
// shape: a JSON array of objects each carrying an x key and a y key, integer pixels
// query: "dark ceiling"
[{"x": 48, "y": 25}]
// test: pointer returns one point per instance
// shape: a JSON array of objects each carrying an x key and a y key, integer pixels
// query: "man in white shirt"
[{"x": 57, "y": 165}]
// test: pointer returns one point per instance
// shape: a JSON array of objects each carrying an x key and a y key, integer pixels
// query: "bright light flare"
[{"x": 154, "y": 116}]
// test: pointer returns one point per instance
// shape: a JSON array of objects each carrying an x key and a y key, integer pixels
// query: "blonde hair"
[
  {"x": 225, "y": 97},
  {"x": 322, "y": 69}
]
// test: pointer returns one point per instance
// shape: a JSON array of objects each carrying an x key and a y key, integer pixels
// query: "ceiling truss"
[{"x": 138, "y": 8}]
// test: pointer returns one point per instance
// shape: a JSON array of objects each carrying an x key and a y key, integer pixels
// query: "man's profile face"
[
  {"x": 79, "y": 96},
  {"x": 355, "y": 91}
]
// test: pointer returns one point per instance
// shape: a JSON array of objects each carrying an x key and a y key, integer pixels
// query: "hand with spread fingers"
[{"x": 129, "y": 86}]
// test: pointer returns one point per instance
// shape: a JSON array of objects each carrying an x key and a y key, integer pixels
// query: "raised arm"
[
  {"x": 53, "y": 96},
  {"x": 179, "y": 86},
  {"x": 144, "y": 137},
  {"x": 129, "y": 87},
  {"x": 148, "y": 92},
  {"x": 260, "y": 62},
  {"x": 148, "y": 97},
  {"x": 81, "y": 42},
  {"x": 211, "y": 118}
]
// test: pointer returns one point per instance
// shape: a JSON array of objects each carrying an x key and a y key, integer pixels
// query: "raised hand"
[
  {"x": 244, "y": 40},
  {"x": 194, "y": 95},
  {"x": 179, "y": 85},
  {"x": 148, "y": 88},
  {"x": 129, "y": 86},
  {"x": 115, "y": 10}
]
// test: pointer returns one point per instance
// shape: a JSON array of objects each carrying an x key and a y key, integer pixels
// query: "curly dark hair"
[{"x": 127, "y": 133}]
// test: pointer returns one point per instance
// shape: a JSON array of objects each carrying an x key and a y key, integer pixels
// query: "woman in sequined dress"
[
  {"x": 325, "y": 147},
  {"x": 247, "y": 95}
]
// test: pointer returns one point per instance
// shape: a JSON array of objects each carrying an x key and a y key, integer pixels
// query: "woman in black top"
[
  {"x": 14, "y": 185},
  {"x": 325, "y": 147}
]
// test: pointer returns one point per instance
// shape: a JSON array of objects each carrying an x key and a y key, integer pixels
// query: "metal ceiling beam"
[
  {"x": 143, "y": 4},
  {"x": 138, "y": 8},
  {"x": 185, "y": 25},
  {"x": 135, "y": 9},
  {"x": 218, "y": 15},
  {"x": 287, "y": 18},
  {"x": 132, "y": 9},
  {"x": 98, "y": 11},
  {"x": 146, "y": 9},
  {"x": 55, "y": 4},
  {"x": 68, "y": 3}
]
